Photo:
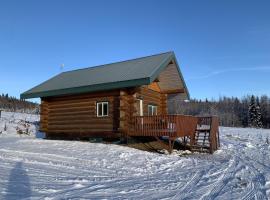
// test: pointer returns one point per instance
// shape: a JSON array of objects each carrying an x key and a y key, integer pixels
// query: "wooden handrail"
[
  {"x": 164, "y": 125},
  {"x": 212, "y": 124},
  {"x": 214, "y": 134},
  {"x": 175, "y": 126}
]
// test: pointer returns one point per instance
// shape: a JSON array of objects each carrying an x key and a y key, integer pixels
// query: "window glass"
[
  {"x": 105, "y": 109},
  {"x": 149, "y": 110},
  {"x": 99, "y": 109},
  {"x": 152, "y": 110}
]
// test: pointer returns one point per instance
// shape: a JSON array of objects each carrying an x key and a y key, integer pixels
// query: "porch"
[{"x": 200, "y": 132}]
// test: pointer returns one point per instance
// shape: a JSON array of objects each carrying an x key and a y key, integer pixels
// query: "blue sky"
[{"x": 223, "y": 47}]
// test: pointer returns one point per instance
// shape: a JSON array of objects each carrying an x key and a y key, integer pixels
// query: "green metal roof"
[{"x": 130, "y": 73}]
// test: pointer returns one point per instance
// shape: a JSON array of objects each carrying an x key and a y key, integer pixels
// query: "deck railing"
[
  {"x": 164, "y": 125},
  {"x": 175, "y": 126}
]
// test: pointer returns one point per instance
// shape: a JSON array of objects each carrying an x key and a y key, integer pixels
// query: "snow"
[{"x": 35, "y": 168}]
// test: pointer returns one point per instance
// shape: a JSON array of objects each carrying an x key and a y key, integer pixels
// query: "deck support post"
[
  {"x": 170, "y": 146},
  {"x": 171, "y": 143}
]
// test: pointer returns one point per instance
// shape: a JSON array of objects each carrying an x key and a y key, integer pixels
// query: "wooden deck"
[
  {"x": 164, "y": 125},
  {"x": 175, "y": 126}
]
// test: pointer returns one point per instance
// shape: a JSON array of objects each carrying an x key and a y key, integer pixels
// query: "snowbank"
[{"x": 47, "y": 169}]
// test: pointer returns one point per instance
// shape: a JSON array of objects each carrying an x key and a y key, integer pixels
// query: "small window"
[
  {"x": 152, "y": 110},
  {"x": 102, "y": 109}
]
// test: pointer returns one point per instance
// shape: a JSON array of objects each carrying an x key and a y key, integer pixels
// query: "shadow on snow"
[{"x": 18, "y": 184}]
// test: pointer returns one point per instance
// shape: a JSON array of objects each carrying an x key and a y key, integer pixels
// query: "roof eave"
[
  {"x": 85, "y": 89},
  {"x": 182, "y": 77},
  {"x": 165, "y": 64}
]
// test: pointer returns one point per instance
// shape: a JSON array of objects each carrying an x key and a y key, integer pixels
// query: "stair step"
[
  {"x": 203, "y": 129},
  {"x": 202, "y": 133},
  {"x": 201, "y": 137},
  {"x": 202, "y": 142},
  {"x": 200, "y": 146},
  {"x": 201, "y": 151},
  {"x": 203, "y": 145}
]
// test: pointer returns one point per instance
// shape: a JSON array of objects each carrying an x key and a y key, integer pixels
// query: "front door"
[
  {"x": 139, "y": 111},
  {"x": 139, "y": 107}
]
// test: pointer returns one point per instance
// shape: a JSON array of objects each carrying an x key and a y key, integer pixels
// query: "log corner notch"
[{"x": 173, "y": 91}]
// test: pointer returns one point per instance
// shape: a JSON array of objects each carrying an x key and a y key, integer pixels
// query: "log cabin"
[{"x": 128, "y": 98}]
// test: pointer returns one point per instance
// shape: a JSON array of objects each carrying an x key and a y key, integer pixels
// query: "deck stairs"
[
  {"x": 201, "y": 141},
  {"x": 206, "y": 136},
  {"x": 199, "y": 134}
]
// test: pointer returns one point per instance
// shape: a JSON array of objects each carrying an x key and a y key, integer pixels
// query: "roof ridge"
[{"x": 103, "y": 65}]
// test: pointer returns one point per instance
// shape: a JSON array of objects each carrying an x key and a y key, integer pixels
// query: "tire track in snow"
[
  {"x": 258, "y": 180},
  {"x": 189, "y": 186},
  {"x": 222, "y": 181}
]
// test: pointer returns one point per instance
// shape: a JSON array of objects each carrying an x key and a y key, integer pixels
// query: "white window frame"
[
  {"x": 102, "y": 108},
  {"x": 151, "y": 113}
]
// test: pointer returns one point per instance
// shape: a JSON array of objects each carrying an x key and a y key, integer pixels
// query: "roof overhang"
[
  {"x": 155, "y": 77},
  {"x": 85, "y": 89}
]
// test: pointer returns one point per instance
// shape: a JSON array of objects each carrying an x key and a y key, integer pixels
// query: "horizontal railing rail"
[
  {"x": 164, "y": 125},
  {"x": 175, "y": 126}
]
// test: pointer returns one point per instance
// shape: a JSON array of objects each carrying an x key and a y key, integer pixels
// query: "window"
[
  {"x": 152, "y": 110},
  {"x": 102, "y": 109}
]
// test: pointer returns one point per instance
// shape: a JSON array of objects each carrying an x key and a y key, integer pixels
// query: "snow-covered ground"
[{"x": 47, "y": 169}]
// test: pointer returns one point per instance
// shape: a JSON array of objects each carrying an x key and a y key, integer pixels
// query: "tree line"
[
  {"x": 248, "y": 111},
  {"x": 12, "y": 104}
]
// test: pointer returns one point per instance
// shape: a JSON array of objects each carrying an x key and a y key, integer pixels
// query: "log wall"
[
  {"x": 152, "y": 97},
  {"x": 76, "y": 114}
]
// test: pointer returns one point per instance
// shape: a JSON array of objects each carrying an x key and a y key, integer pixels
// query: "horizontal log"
[
  {"x": 174, "y": 91},
  {"x": 149, "y": 95},
  {"x": 81, "y": 122},
  {"x": 75, "y": 113},
  {"x": 146, "y": 88},
  {"x": 80, "y": 117},
  {"x": 89, "y": 134},
  {"x": 80, "y": 126},
  {"x": 78, "y": 131},
  {"x": 77, "y": 108},
  {"x": 76, "y": 101},
  {"x": 76, "y": 104},
  {"x": 84, "y": 96},
  {"x": 72, "y": 109}
]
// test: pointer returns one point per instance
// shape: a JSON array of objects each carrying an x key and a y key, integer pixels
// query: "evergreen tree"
[
  {"x": 252, "y": 112},
  {"x": 244, "y": 112},
  {"x": 265, "y": 110},
  {"x": 258, "y": 114}
]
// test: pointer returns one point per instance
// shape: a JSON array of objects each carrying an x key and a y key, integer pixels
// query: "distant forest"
[
  {"x": 249, "y": 111},
  {"x": 12, "y": 104}
]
